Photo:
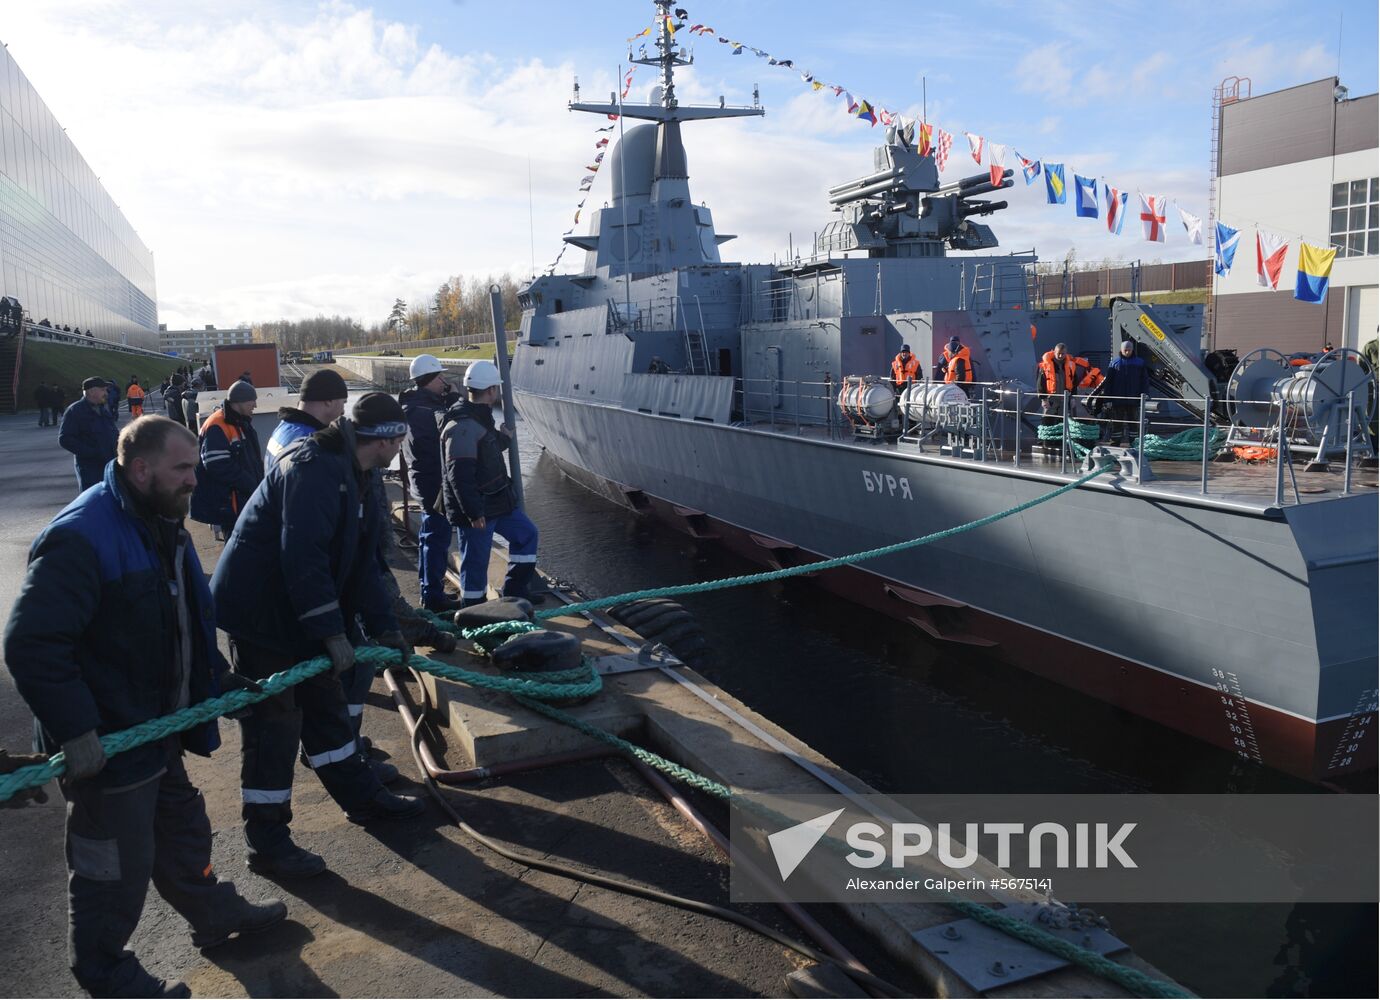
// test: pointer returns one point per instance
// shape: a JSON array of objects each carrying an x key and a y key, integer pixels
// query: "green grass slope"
[{"x": 68, "y": 365}]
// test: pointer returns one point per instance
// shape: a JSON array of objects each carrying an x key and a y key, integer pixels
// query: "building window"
[{"x": 1356, "y": 218}]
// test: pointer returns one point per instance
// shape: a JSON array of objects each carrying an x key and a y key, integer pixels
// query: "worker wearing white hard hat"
[
  {"x": 423, "y": 404},
  {"x": 478, "y": 490},
  {"x": 424, "y": 364}
]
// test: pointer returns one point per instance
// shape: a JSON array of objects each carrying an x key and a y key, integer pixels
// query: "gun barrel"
[
  {"x": 980, "y": 208},
  {"x": 965, "y": 185},
  {"x": 888, "y": 176},
  {"x": 986, "y": 188},
  {"x": 869, "y": 191}
]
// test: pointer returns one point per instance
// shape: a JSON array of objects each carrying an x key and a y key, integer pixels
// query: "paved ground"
[{"x": 408, "y": 909}]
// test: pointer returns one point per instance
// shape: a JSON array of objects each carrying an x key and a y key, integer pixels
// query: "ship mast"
[
  {"x": 668, "y": 110},
  {"x": 667, "y": 59},
  {"x": 679, "y": 228}
]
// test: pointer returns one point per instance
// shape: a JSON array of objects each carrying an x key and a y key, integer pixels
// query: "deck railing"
[{"x": 1000, "y": 424}]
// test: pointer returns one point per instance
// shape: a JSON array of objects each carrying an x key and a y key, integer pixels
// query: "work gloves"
[
  {"x": 11, "y": 762},
  {"x": 340, "y": 651},
  {"x": 84, "y": 755},
  {"x": 395, "y": 640}
]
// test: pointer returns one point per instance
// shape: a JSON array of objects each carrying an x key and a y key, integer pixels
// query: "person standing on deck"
[
  {"x": 424, "y": 405},
  {"x": 1127, "y": 380},
  {"x": 955, "y": 364},
  {"x": 905, "y": 368},
  {"x": 478, "y": 491}
]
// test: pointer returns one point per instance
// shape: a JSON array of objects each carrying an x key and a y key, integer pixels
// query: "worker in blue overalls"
[
  {"x": 423, "y": 405},
  {"x": 478, "y": 491}
]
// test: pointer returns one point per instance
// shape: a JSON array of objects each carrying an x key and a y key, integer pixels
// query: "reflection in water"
[{"x": 909, "y": 715}]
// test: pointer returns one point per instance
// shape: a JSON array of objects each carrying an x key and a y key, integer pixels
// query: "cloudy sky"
[{"x": 291, "y": 158}]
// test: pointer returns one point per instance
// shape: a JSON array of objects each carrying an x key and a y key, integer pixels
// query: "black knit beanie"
[
  {"x": 323, "y": 385},
  {"x": 378, "y": 415}
]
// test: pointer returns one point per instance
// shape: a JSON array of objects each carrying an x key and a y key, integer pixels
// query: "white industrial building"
[{"x": 1304, "y": 164}]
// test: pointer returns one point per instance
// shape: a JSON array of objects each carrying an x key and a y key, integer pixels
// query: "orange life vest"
[
  {"x": 1049, "y": 376},
  {"x": 907, "y": 370},
  {"x": 958, "y": 365}
]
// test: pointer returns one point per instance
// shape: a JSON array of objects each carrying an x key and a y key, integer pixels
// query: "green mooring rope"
[
  {"x": 1185, "y": 446},
  {"x": 536, "y": 689},
  {"x": 1079, "y": 431},
  {"x": 581, "y": 682}
]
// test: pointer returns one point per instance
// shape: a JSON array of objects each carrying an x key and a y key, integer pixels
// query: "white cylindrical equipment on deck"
[
  {"x": 924, "y": 402},
  {"x": 866, "y": 398}
]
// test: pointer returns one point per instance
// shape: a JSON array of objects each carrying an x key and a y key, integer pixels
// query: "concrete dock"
[
  {"x": 417, "y": 908},
  {"x": 407, "y": 909}
]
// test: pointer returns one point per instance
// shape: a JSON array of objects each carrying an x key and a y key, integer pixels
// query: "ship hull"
[{"x": 1219, "y": 624}]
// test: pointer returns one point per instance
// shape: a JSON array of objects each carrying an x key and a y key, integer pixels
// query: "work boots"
[
  {"x": 445, "y": 604},
  {"x": 247, "y": 918},
  {"x": 384, "y": 771},
  {"x": 288, "y": 861}
]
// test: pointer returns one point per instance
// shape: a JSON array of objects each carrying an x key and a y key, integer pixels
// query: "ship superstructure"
[{"x": 1226, "y": 601}]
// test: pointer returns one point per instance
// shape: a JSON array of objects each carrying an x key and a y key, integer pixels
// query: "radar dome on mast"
[{"x": 633, "y": 164}]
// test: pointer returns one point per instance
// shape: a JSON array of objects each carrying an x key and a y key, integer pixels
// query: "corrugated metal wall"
[
  {"x": 1278, "y": 320},
  {"x": 1106, "y": 282}
]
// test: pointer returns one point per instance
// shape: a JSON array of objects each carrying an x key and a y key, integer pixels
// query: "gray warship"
[{"x": 749, "y": 404}]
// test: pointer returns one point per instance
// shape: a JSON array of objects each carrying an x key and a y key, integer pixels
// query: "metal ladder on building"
[
  {"x": 999, "y": 287},
  {"x": 1012, "y": 291},
  {"x": 696, "y": 353},
  {"x": 984, "y": 283},
  {"x": 696, "y": 356}
]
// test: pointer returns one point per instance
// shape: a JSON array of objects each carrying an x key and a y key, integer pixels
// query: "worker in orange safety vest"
[
  {"x": 134, "y": 392},
  {"x": 955, "y": 363},
  {"x": 1059, "y": 372},
  {"x": 905, "y": 368}
]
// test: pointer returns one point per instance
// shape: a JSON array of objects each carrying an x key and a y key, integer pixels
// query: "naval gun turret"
[{"x": 901, "y": 209}]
